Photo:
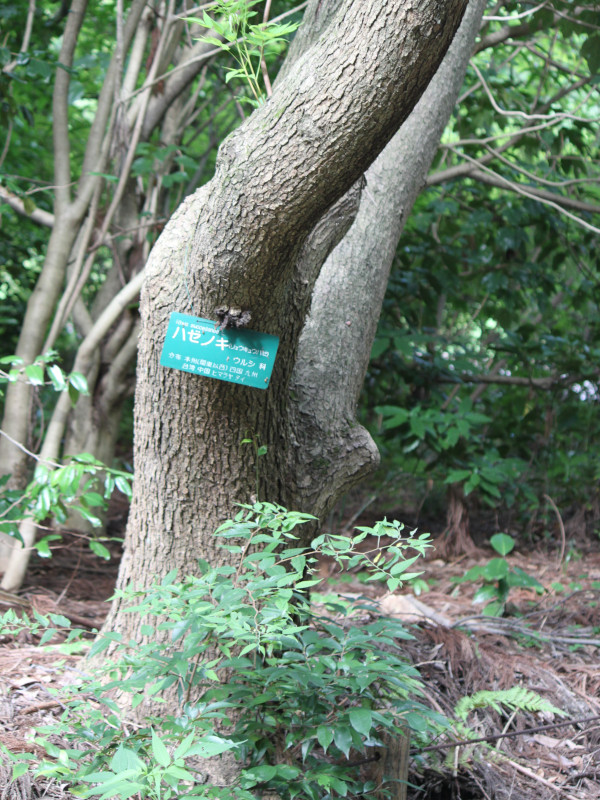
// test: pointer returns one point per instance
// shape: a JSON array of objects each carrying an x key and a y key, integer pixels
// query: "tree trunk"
[
  {"x": 190, "y": 468},
  {"x": 256, "y": 238},
  {"x": 456, "y": 538}
]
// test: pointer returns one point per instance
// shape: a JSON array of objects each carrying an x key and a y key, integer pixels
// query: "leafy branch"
[{"x": 246, "y": 42}]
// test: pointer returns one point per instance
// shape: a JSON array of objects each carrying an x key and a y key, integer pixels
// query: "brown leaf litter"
[{"x": 549, "y": 644}]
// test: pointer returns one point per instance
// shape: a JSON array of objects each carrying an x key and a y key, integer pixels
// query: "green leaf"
[
  {"x": 43, "y": 503},
  {"x": 261, "y": 774},
  {"x": 590, "y": 50},
  {"x": 59, "y": 619},
  {"x": 472, "y": 483},
  {"x": 324, "y": 736},
  {"x": 494, "y": 609},
  {"x": 458, "y": 475},
  {"x": 485, "y": 593},
  {"x": 20, "y": 768},
  {"x": 94, "y": 521},
  {"x": 73, "y": 394},
  {"x": 92, "y": 499},
  {"x": 79, "y": 382},
  {"x": 47, "y": 635},
  {"x": 395, "y": 421},
  {"x": 361, "y": 720},
  {"x": 57, "y": 376},
  {"x": 106, "y": 176},
  {"x": 496, "y": 569},
  {"x": 402, "y": 566},
  {"x": 125, "y": 759},
  {"x": 160, "y": 752},
  {"x": 99, "y": 549},
  {"x": 502, "y": 543},
  {"x": 35, "y": 374},
  {"x": 518, "y": 577},
  {"x": 123, "y": 485},
  {"x": 380, "y": 345},
  {"x": 211, "y": 746},
  {"x": 184, "y": 746},
  {"x": 43, "y": 548},
  {"x": 342, "y": 736},
  {"x": 341, "y": 787}
]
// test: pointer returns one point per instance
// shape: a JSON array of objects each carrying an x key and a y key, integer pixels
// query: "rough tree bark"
[{"x": 256, "y": 237}]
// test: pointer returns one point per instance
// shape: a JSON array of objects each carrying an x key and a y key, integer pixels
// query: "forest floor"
[{"x": 549, "y": 643}]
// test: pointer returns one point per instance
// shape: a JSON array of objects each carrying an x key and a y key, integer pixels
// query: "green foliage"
[
  {"x": 492, "y": 305},
  {"x": 44, "y": 627},
  {"x": 43, "y": 371},
  {"x": 247, "y": 43},
  {"x": 299, "y": 692},
  {"x": 516, "y": 698},
  {"x": 482, "y": 373},
  {"x": 450, "y": 442},
  {"x": 498, "y": 578},
  {"x": 56, "y": 489}
]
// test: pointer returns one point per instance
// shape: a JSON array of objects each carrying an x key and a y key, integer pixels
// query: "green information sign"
[{"x": 196, "y": 345}]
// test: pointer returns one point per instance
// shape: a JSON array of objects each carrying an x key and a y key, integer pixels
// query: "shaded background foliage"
[{"x": 483, "y": 385}]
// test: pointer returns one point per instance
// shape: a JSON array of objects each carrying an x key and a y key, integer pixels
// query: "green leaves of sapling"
[
  {"x": 498, "y": 577},
  {"x": 247, "y": 43},
  {"x": 36, "y": 372}
]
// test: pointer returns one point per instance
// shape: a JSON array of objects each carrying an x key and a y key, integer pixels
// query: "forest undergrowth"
[{"x": 546, "y": 641}]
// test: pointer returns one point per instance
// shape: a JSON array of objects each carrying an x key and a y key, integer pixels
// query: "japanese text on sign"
[{"x": 193, "y": 344}]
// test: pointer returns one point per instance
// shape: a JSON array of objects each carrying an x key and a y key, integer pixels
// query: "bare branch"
[
  {"x": 177, "y": 80},
  {"x": 502, "y": 35},
  {"x": 37, "y": 215},
  {"x": 78, "y": 271},
  {"x": 60, "y": 105},
  {"x": 26, "y": 36},
  {"x": 559, "y": 202},
  {"x": 522, "y": 15},
  {"x": 98, "y": 143},
  {"x": 513, "y": 380},
  {"x": 517, "y": 113},
  {"x": 532, "y": 176}
]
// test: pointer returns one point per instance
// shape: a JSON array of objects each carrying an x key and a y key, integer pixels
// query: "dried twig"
[
  {"x": 511, "y": 734},
  {"x": 561, "y": 527}
]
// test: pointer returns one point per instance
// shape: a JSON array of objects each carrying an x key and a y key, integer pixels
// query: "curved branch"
[
  {"x": 26, "y": 36},
  {"x": 37, "y": 215},
  {"x": 560, "y": 203},
  {"x": 503, "y": 34},
  {"x": 310, "y": 122},
  {"x": 335, "y": 345},
  {"x": 554, "y": 118},
  {"x": 513, "y": 380}
]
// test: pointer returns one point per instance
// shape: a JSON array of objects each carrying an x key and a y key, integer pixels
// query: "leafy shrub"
[
  {"x": 83, "y": 484},
  {"x": 300, "y": 693},
  {"x": 498, "y": 578}
]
